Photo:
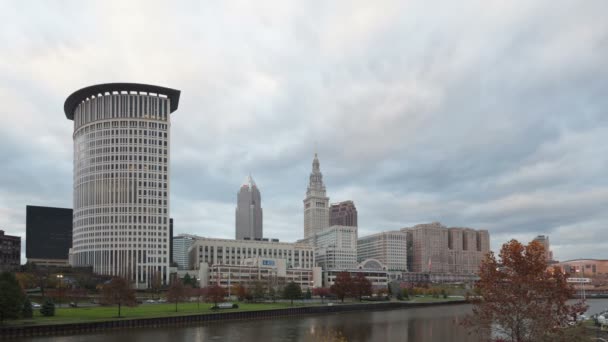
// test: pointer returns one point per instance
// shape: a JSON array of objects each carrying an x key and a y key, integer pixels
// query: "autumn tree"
[
  {"x": 521, "y": 298},
  {"x": 240, "y": 291},
  {"x": 118, "y": 292},
  {"x": 292, "y": 291},
  {"x": 177, "y": 292},
  {"x": 361, "y": 286},
  {"x": 322, "y": 292},
  {"x": 156, "y": 283},
  {"x": 342, "y": 286},
  {"x": 215, "y": 294}
]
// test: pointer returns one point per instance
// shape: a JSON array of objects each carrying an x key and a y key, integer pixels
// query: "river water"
[{"x": 439, "y": 323}]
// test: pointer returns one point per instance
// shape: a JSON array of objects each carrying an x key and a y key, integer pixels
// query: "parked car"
[
  {"x": 150, "y": 301},
  {"x": 35, "y": 305}
]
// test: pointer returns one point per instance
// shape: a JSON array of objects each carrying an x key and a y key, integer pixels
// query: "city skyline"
[{"x": 437, "y": 121}]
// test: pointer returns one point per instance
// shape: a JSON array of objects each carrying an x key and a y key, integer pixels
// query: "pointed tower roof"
[{"x": 249, "y": 182}]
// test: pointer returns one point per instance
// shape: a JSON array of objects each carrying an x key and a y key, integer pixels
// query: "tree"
[
  {"x": 342, "y": 286},
  {"x": 76, "y": 294},
  {"x": 176, "y": 292},
  {"x": 361, "y": 286},
  {"x": 48, "y": 308},
  {"x": 190, "y": 281},
  {"x": 198, "y": 293},
  {"x": 322, "y": 292},
  {"x": 118, "y": 292},
  {"x": 308, "y": 294},
  {"x": 27, "y": 311},
  {"x": 11, "y": 296},
  {"x": 292, "y": 291},
  {"x": 259, "y": 290},
  {"x": 520, "y": 297},
  {"x": 215, "y": 294},
  {"x": 156, "y": 283},
  {"x": 240, "y": 291}
]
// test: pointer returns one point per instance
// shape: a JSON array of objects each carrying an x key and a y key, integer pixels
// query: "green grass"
[{"x": 105, "y": 313}]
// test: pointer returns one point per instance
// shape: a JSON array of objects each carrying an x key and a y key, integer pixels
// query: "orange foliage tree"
[
  {"x": 176, "y": 292},
  {"x": 520, "y": 298},
  {"x": 343, "y": 285},
  {"x": 118, "y": 291},
  {"x": 361, "y": 286},
  {"x": 215, "y": 294}
]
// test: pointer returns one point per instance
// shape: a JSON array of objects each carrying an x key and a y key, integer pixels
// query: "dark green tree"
[
  {"x": 308, "y": 294},
  {"x": 292, "y": 291},
  {"x": 189, "y": 281},
  {"x": 48, "y": 308},
  {"x": 27, "y": 311},
  {"x": 11, "y": 296}
]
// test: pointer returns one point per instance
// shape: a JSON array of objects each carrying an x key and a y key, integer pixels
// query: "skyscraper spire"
[{"x": 316, "y": 203}]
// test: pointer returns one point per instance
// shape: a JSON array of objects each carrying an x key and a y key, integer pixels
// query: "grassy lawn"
[{"x": 103, "y": 313}]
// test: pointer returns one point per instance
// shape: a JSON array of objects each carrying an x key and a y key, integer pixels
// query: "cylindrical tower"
[{"x": 121, "y": 179}]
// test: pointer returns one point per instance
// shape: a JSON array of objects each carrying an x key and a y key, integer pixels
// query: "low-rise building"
[
  {"x": 373, "y": 270},
  {"x": 271, "y": 272},
  {"x": 234, "y": 252}
]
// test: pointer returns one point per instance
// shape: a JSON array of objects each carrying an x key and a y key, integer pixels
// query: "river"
[{"x": 439, "y": 323}]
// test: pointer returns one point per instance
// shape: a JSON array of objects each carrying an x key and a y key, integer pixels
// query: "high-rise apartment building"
[
  {"x": 390, "y": 248},
  {"x": 122, "y": 179},
  {"x": 343, "y": 214},
  {"x": 544, "y": 240},
  {"x": 48, "y": 235},
  {"x": 316, "y": 203},
  {"x": 248, "y": 214},
  {"x": 433, "y": 248},
  {"x": 10, "y": 252},
  {"x": 181, "y": 244}
]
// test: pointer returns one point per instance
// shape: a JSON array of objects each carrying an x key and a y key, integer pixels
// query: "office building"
[
  {"x": 390, "y": 248},
  {"x": 122, "y": 178},
  {"x": 544, "y": 240},
  {"x": 583, "y": 268},
  {"x": 234, "y": 252},
  {"x": 10, "y": 252},
  {"x": 374, "y": 271},
  {"x": 343, "y": 214},
  {"x": 433, "y": 248},
  {"x": 48, "y": 235},
  {"x": 316, "y": 203},
  {"x": 335, "y": 247},
  {"x": 271, "y": 272},
  {"x": 248, "y": 222},
  {"x": 181, "y": 245}
]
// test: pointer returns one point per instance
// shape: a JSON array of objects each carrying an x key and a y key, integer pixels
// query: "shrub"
[{"x": 48, "y": 308}]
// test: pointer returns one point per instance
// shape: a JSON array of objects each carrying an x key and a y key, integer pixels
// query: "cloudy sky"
[{"x": 486, "y": 114}]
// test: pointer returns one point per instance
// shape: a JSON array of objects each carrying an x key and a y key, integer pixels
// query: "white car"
[
  {"x": 150, "y": 301},
  {"x": 35, "y": 305}
]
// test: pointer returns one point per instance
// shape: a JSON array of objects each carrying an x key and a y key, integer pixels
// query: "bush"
[
  {"x": 27, "y": 311},
  {"x": 48, "y": 308},
  {"x": 235, "y": 306}
]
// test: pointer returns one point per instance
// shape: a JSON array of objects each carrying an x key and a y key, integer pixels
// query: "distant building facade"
[
  {"x": 343, "y": 214},
  {"x": 48, "y": 235},
  {"x": 436, "y": 249},
  {"x": 10, "y": 252},
  {"x": 316, "y": 203},
  {"x": 581, "y": 268},
  {"x": 335, "y": 247},
  {"x": 544, "y": 240},
  {"x": 181, "y": 244},
  {"x": 390, "y": 248},
  {"x": 248, "y": 215},
  {"x": 234, "y": 252},
  {"x": 274, "y": 273},
  {"x": 372, "y": 269}
]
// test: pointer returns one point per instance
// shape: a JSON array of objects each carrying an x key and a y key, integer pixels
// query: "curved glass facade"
[{"x": 121, "y": 186}]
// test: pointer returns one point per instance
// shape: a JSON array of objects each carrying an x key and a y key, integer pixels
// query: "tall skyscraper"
[
  {"x": 544, "y": 240},
  {"x": 343, "y": 214},
  {"x": 248, "y": 222},
  {"x": 121, "y": 179},
  {"x": 316, "y": 203}
]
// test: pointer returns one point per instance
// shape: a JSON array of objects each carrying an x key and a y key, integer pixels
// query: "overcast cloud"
[{"x": 487, "y": 114}]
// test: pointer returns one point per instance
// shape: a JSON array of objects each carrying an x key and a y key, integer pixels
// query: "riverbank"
[{"x": 182, "y": 318}]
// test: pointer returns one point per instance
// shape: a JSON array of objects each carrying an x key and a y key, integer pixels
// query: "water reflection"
[{"x": 440, "y": 323}]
